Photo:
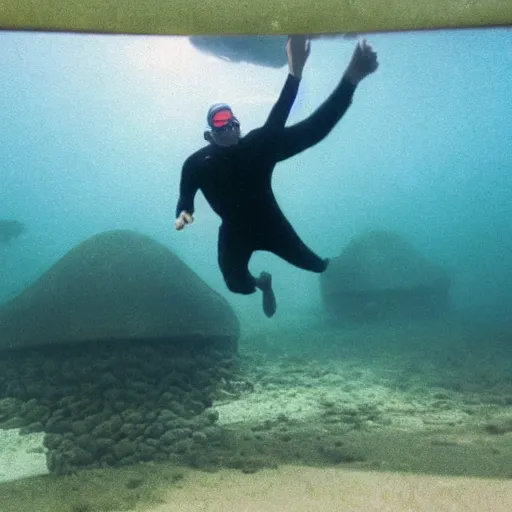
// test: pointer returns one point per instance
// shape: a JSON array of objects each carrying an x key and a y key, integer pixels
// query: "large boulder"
[
  {"x": 118, "y": 285},
  {"x": 379, "y": 276}
]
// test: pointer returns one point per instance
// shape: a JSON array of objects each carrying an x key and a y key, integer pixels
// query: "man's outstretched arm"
[
  {"x": 188, "y": 190},
  {"x": 318, "y": 125},
  {"x": 298, "y": 50},
  {"x": 281, "y": 109}
]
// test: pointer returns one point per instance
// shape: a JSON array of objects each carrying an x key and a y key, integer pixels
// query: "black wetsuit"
[{"x": 236, "y": 182}]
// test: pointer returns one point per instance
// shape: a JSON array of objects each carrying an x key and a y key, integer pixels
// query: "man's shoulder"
[
  {"x": 198, "y": 157},
  {"x": 255, "y": 135}
]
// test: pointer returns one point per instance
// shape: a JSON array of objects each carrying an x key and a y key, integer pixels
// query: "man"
[{"x": 234, "y": 173}]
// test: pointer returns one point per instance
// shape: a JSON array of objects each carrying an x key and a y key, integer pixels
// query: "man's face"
[
  {"x": 224, "y": 126},
  {"x": 228, "y": 135}
]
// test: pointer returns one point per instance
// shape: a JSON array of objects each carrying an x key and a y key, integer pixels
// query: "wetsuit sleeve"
[
  {"x": 318, "y": 125},
  {"x": 281, "y": 110},
  {"x": 188, "y": 188}
]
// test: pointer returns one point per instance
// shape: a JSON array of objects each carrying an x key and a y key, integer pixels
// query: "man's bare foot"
[{"x": 264, "y": 283}]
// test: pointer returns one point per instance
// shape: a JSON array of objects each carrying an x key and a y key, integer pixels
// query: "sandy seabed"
[
  {"x": 21, "y": 456},
  {"x": 408, "y": 393},
  {"x": 301, "y": 489},
  {"x": 425, "y": 418}
]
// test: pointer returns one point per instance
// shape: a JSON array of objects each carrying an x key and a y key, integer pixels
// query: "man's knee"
[
  {"x": 319, "y": 265},
  {"x": 243, "y": 286},
  {"x": 325, "y": 264}
]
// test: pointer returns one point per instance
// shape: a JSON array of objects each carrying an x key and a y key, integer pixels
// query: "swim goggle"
[{"x": 223, "y": 120}]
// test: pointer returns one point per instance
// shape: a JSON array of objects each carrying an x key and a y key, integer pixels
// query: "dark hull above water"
[{"x": 266, "y": 51}]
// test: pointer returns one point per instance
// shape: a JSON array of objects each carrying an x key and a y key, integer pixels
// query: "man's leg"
[
  {"x": 286, "y": 244},
  {"x": 234, "y": 252}
]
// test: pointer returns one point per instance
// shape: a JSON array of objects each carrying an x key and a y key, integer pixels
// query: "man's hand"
[
  {"x": 183, "y": 219},
  {"x": 297, "y": 49},
  {"x": 363, "y": 63}
]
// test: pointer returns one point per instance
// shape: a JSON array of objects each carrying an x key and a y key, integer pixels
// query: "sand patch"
[
  {"x": 328, "y": 490},
  {"x": 21, "y": 456}
]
